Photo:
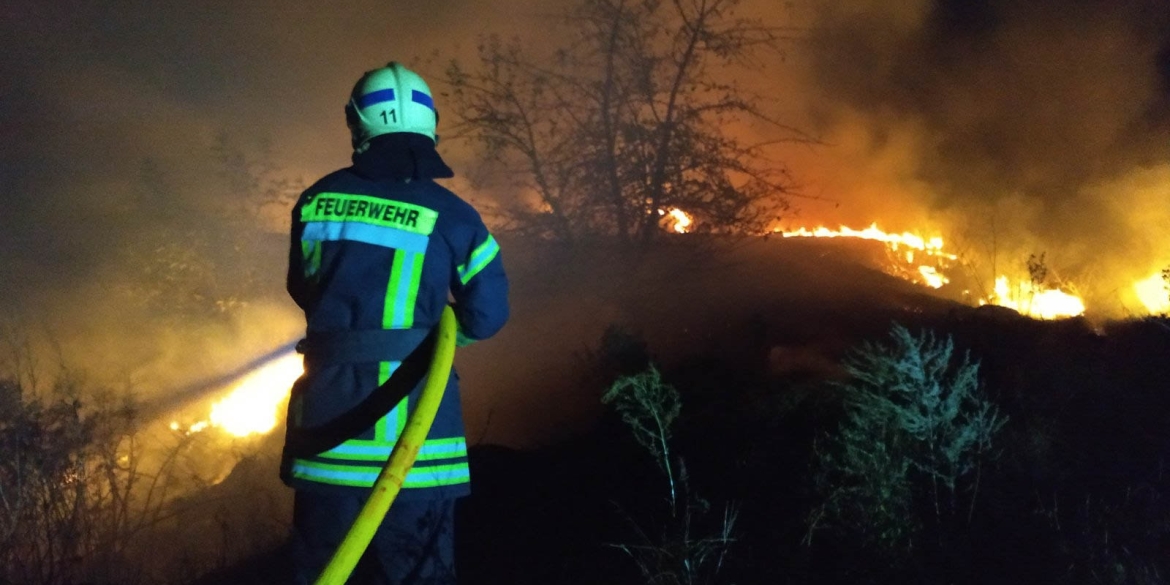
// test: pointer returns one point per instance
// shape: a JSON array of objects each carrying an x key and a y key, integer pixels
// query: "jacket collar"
[{"x": 401, "y": 156}]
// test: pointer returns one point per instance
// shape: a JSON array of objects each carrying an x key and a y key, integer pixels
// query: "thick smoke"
[
  {"x": 1015, "y": 127},
  {"x": 1010, "y": 127},
  {"x": 144, "y": 133}
]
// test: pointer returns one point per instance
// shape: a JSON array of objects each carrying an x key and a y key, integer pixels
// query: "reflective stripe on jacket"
[{"x": 385, "y": 254}]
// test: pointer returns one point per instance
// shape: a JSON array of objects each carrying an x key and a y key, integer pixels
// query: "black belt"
[
  {"x": 361, "y": 346},
  {"x": 414, "y": 347}
]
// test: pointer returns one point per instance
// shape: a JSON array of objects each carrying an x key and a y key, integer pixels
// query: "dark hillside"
[
  {"x": 793, "y": 303},
  {"x": 1075, "y": 488}
]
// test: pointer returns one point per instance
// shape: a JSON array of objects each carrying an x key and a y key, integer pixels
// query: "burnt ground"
[{"x": 752, "y": 338}]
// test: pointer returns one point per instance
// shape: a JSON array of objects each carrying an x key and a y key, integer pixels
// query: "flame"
[
  {"x": 903, "y": 248},
  {"x": 1028, "y": 299},
  {"x": 1035, "y": 300},
  {"x": 932, "y": 246},
  {"x": 932, "y": 277},
  {"x": 682, "y": 221},
  {"x": 1154, "y": 293}
]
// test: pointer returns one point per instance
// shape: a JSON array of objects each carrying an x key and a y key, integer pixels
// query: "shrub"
[
  {"x": 683, "y": 550},
  {"x": 80, "y": 492},
  {"x": 914, "y": 433}
]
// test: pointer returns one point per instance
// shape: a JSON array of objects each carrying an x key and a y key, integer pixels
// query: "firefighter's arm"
[
  {"x": 295, "y": 279},
  {"x": 304, "y": 258},
  {"x": 480, "y": 289}
]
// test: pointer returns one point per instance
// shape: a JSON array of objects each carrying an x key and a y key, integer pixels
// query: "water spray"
[{"x": 205, "y": 388}]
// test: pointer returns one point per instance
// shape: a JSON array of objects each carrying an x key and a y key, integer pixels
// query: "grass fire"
[{"x": 817, "y": 292}]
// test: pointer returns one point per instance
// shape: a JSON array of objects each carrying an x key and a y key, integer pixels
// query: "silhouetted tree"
[{"x": 630, "y": 118}]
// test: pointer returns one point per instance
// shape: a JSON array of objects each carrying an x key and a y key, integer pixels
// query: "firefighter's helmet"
[{"x": 390, "y": 99}]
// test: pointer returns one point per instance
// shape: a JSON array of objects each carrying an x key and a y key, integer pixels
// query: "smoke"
[
  {"x": 1009, "y": 127},
  {"x": 1014, "y": 126},
  {"x": 1037, "y": 97},
  {"x": 136, "y": 142}
]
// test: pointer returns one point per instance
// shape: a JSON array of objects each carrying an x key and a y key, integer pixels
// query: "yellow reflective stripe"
[
  {"x": 451, "y": 448},
  {"x": 432, "y": 450},
  {"x": 402, "y": 290},
  {"x": 438, "y": 475},
  {"x": 334, "y": 207},
  {"x": 365, "y": 475},
  {"x": 480, "y": 258},
  {"x": 390, "y": 313},
  {"x": 385, "y": 370},
  {"x": 311, "y": 252},
  {"x": 386, "y": 429},
  {"x": 412, "y": 289},
  {"x": 383, "y": 433},
  {"x": 334, "y": 474}
]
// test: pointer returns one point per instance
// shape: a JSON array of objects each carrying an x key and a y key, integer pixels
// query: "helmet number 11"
[{"x": 389, "y": 117}]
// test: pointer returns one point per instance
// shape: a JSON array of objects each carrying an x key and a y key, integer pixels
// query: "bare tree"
[{"x": 630, "y": 118}]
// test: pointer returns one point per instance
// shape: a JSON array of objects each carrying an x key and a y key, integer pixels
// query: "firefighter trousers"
[{"x": 415, "y": 544}]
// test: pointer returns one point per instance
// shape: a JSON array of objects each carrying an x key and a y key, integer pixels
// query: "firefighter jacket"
[{"x": 379, "y": 247}]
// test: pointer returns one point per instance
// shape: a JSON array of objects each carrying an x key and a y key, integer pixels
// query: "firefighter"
[{"x": 377, "y": 251}]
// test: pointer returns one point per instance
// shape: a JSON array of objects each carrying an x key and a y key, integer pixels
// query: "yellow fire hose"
[{"x": 389, "y": 481}]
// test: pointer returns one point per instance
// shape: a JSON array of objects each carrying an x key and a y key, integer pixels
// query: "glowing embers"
[
  {"x": 252, "y": 404},
  {"x": 1035, "y": 300},
  {"x": 902, "y": 248}
]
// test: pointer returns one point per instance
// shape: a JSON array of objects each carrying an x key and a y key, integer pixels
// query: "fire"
[
  {"x": 1035, "y": 300},
  {"x": 901, "y": 246},
  {"x": 252, "y": 404},
  {"x": 906, "y": 248},
  {"x": 682, "y": 221},
  {"x": 932, "y": 246},
  {"x": 932, "y": 277},
  {"x": 1154, "y": 293}
]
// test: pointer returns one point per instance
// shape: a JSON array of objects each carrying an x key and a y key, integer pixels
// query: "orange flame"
[
  {"x": 1035, "y": 300},
  {"x": 926, "y": 274},
  {"x": 932, "y": 246},
  {"x": 1154, "y": 293},
  {"x": 681, "y": 220},
  {"x": 932, "y": 277}
]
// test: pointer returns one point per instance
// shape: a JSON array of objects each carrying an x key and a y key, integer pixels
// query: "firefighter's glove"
[{"x": 462, "y": 340}]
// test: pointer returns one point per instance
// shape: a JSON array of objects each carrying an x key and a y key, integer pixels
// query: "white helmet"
[{"x": 390, "y": 99}]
